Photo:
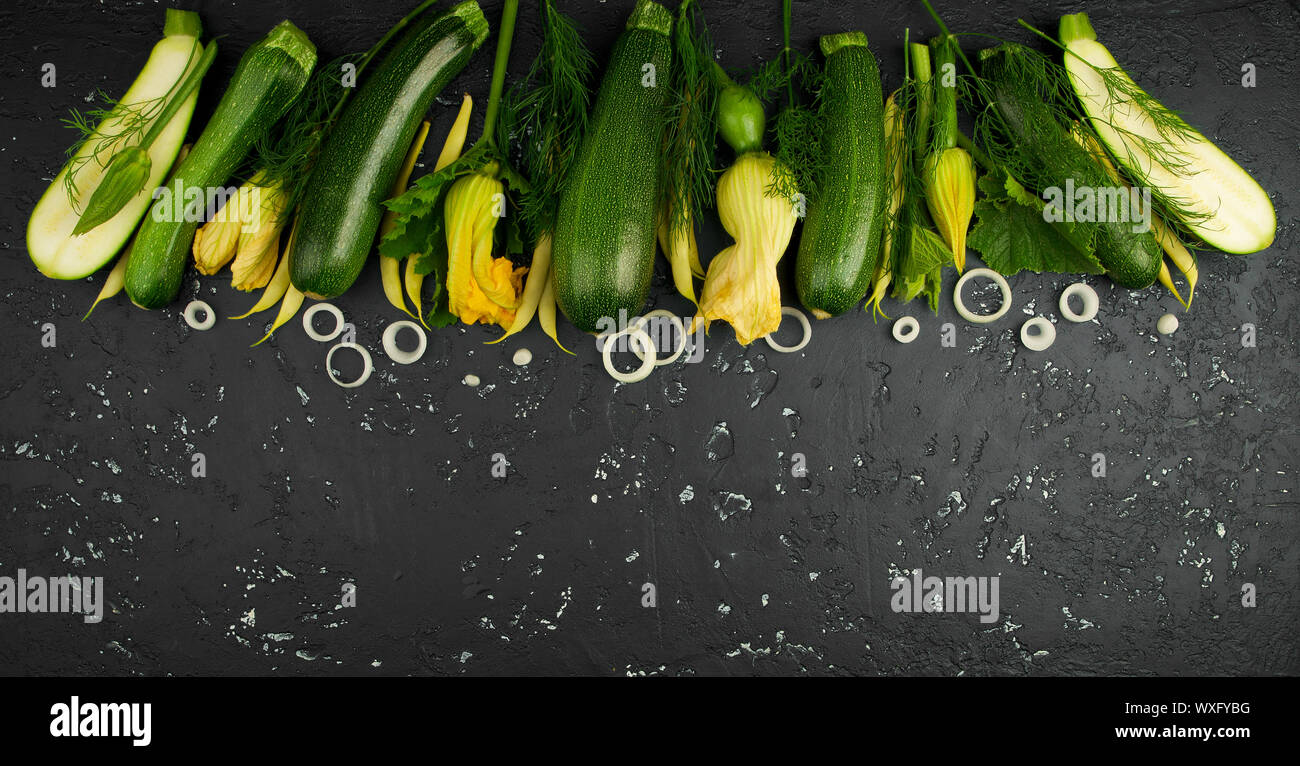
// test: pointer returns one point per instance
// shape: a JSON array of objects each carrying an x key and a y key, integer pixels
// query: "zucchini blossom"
[
  {"x": 741, "y": 286},
  {"x": 950, "y": 195},
  {"x": 480, "y": 288},
  {"x": 247, "y": 229}
]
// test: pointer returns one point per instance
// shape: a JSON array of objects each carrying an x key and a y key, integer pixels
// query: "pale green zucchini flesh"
[
  {"x": 1220, "y": 202},
  {"x": 50, "y": 242}
]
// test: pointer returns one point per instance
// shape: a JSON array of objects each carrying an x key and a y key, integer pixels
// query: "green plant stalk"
[
  {"x": 786, "y": 16},
  {"x": 374, "y": 50},
  {"x": 129, "y": 169},
  {"x": 943, "y": 28},
  {"x": 922, "y": 77},
  {"x": 187, "y": 86},
  {"x": 975, "y": 152},
  {"x": 504, "y": 38},
  {"x": 944, "y": 122}
]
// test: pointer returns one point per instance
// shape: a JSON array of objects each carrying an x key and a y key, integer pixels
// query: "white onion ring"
[
  {"x": 397, "y": 354},
  {"x": 1043, "y": 340},
  {"x": 791, "y": 311},
  {"x": 647, "y": 360},
  {"x": 966, "y": 313},
  {"x": 310, "y": 314},
  {"x": 681, "y": 331},
  {"x": 191, "y": 315},
  {"x": 367, "y": 366},
  {"x": 906, "y": 323},
  {"x": 1087, "y": 295}
]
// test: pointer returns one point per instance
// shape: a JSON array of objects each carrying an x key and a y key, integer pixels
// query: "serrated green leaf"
[
  {"x": 927, "y": 253},
  {"x": 1011, "y": 234},
  {"x": 934, "y": 287},
  {"x": 432, "y": 263}
]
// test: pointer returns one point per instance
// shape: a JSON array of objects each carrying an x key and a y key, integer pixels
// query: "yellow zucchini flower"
[
  {"x": 216, "y": 241},
  {"x": 480, "y": 288},
  {"x": 259, "y": 236},
  {"x": 246, "y": 229},
  {"x": 741, "y": 286},
  {"x": 950, "y": 195}
]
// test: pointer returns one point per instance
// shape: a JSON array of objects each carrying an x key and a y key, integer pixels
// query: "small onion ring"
[
  {"x": 1087, "y": 295},
  {"x": 966, "y": 313},
  {"x": 791, "y": 311},
  {"x": 676, "y": 321},
  {"x": 1043, "y": 340},
  {"x": 906, "y": 323},
  {"x": 647, "y": 360},
  {"x": 367, "y": 366},
  {"x": 397, "y": 354},
  {"x": 191, "y": 315},
  {"x": 310, "y": 314}
]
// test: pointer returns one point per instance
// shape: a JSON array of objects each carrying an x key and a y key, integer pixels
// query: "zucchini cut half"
[
  {"x": 1213, "y": 197},
  {"x": 53, "y": 248}
]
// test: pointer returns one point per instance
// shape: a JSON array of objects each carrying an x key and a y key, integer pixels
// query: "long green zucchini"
[
  {"x": 268, "y": 78},
  {"x": 363, "y": 153},
  {"x": 841, "y": 233},
  {"x": 53, "y": 247},
  {"x": 604, "y": 243}
]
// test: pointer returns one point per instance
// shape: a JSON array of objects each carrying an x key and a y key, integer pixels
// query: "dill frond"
[
  {"x": 286, "y": 154},
  {"x": 546, "y": 113},
  {"x": 690, "y": 133},
  {"x": 131, "y": 121}
]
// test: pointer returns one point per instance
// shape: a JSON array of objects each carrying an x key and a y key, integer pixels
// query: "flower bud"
[{"x": 126, "y": 176}]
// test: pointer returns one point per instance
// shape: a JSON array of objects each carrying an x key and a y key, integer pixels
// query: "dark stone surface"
[{"x": 972, "y": 460}]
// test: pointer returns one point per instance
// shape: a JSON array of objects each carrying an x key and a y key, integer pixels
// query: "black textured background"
[{"x": 971, "y": 460}]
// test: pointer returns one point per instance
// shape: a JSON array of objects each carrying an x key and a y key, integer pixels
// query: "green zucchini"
[
  {"x": 51, "y": 242},
  {"x": 363, "y": 153},
  {"x": 268, "y": 79},
  {"x": 1212, "y": 196},
  {"x": 1132, "y": 258},
  {"x": 841, "y": 233},
  {"x": 604, "y": 243}
]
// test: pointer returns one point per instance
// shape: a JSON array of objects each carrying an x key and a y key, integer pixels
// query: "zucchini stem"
[
  {"x": 786, "y": 16},
  {"x": 182, "y": 90},
  {"x": 975, "y": 152},
  {"x": 921, "y": 74},
  {"x": 944, "y": 125},
  {"x": 504, "y": 38},
  {"x": 943, "y": 28}
]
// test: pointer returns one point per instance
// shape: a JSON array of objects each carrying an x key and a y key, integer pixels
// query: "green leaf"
[
  {"x": 432, "y": 262},
  {"x": 934, "y": 288},
  {"x": 418, "y": 233},
  {"x": 514, "y": 237},
  {"x": 924, "y": 258},
  {"x": 1011, "y": 234}
]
